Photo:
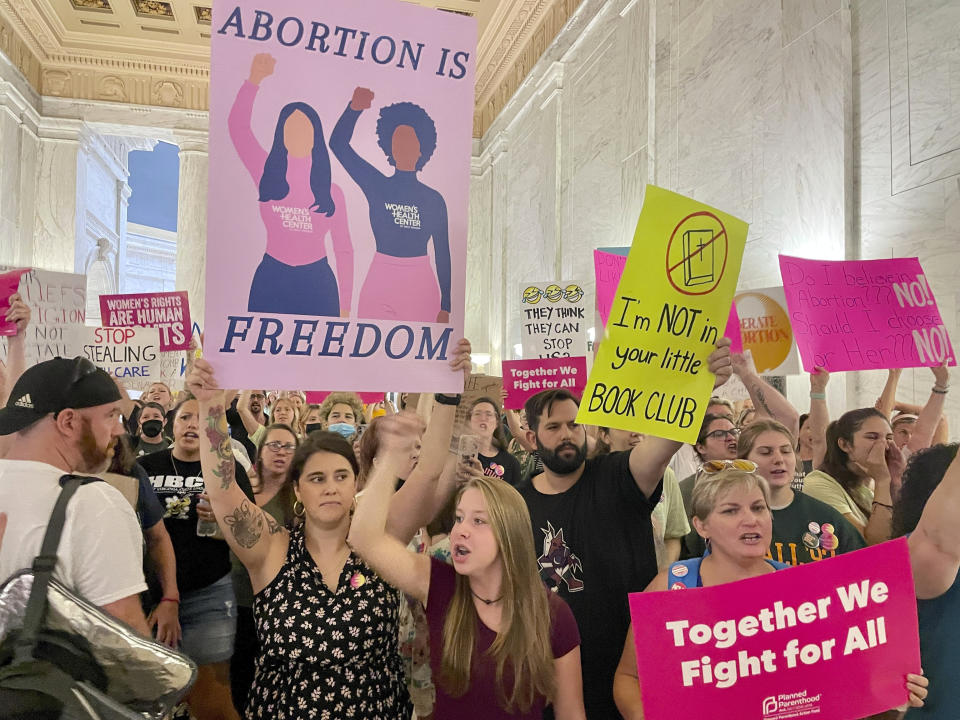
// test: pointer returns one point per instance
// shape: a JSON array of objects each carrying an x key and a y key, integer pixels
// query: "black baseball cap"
[{"x": 56, "y": 385}]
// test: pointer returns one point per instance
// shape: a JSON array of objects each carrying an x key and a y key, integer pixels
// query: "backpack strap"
[{"x": 43, "y": 565}]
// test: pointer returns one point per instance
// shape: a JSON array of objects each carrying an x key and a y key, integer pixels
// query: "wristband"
[
  {"x": 447, "y": 399},
  {"x": 170, "y": 599},
  {"x": 818, "y": 396},
  {"x": 884, "y": 505},
  {"x": 940, "y": 390}
]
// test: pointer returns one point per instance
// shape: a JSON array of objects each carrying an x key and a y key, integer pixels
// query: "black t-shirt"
[
  {"x": 503, "y": 465},
  {"x": 808, "y": 530},
  {"x": 201, "y": 561},
  {"x": 595, "y": 545}
]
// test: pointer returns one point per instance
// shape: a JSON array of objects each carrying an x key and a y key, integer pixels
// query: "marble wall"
[{"x": 831, "y": 126}]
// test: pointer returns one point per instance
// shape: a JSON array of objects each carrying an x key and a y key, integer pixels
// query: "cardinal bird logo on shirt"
[{"x": 559, "y": 561}]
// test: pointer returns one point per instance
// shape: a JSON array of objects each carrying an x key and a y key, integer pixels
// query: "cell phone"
[{"x": 468, "y": 448}]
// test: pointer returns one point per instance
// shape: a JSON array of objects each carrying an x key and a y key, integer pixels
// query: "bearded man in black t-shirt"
[{"x": 592, "y": 530}]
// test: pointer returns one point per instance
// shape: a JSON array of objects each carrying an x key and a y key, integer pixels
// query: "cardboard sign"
[
  {"x": 57, "y": 302},
  {"x": 522, "y": 379},
  {"x": 553, "y": 323},
  {"x": 337, "y": 222},
  {"x": 766, "y": 332},
  {"x": 651, "y": 373},
  {"x": 608, "y": 264},
  {"x": 864, "y": 314},
  {"x": 831, "y": 639},
  {"x": 131, "y": 354},
  {"x": 169, "y": 312}
]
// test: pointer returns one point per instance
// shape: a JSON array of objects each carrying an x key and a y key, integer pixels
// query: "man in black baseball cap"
[{"x": 64, "y": 416}]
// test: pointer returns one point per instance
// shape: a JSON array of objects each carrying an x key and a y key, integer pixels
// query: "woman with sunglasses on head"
[
  {"x": 717, "y": 441},
  {"x": 732, "y": 513},
  {"x": 804, "y": 529},
  {"x": 273, "y": 493},
  {"x": 326, "y": 622}
]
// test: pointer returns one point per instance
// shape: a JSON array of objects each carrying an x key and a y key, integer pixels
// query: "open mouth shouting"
[
  {"x": 460, "y": 553},
  {"x": 751, "y": 538}
]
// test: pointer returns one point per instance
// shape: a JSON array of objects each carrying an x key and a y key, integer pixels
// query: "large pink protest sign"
[
  {"x": 340, "y": 142},
  {"x": 167, "y": 311},
  {"x": 832, "y": 640},
  {"x": 315, "y": 397},
  {"x": 864, "y": 314},
  {"x": 523, "y": 379},
  {"x": 608, "y": 267}
]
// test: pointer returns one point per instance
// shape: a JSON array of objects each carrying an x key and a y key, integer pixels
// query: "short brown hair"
[
  {"x": 541, "y": 403},
  {"x": 709, "y": 488}
]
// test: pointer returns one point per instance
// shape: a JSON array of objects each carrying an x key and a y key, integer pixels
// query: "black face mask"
[
  {"x": 313, "y": 427},
  {"x": 152, "y": 428}
]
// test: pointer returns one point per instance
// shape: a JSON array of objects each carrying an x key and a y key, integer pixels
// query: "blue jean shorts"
[{"x": 208, "y": 619}]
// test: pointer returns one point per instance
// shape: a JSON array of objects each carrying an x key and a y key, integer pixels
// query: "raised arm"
[
  {"x": 254, "y": 536},
  {"x": 412, "y": 507},
  {"x": 250, "y": 423},
  {"x": 19, "y": 313},
  {"x": 935, "y": 544},
  {"x": 929, "y": 417},
  {"x": 766, "y": 399},
  {"x": 245, "y": 142},
  {"x": 888, "y": 398},
  {"x": 342, "y": 249},
  {"x": 362, "y": 172},
  {"x": 650, "y": 458},
  {"x": 408, "y": 571},
  {"x": 819, "y": 416}
]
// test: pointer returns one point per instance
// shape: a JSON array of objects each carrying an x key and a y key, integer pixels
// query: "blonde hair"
[
  {"x": 709, "y": 489},
  {"x": 295, "y": 423},
  {"x": 522, "y": 647},
  {"x": 307, "y": 409}
]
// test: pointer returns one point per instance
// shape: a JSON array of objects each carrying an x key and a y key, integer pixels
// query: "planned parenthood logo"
[{"x": 791, "y": 705}]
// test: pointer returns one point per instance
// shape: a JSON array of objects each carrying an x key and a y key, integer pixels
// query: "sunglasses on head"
[{"x": 712, "y": 467}]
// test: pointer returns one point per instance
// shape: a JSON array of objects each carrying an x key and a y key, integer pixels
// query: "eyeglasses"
[
  {"x": 722, "y": 434},
  {"x": 278, "y": 446},
  {"x": 257, "y": 396},
  {"x": 712, "y": 467}
]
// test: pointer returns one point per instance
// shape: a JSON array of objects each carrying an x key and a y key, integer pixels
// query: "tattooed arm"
[
  {"x": 767, "y": 400},
  {"x": 255, "y": 537}
]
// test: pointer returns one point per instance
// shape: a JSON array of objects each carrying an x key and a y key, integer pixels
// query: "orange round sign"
[{"x": 765, "y": 329}]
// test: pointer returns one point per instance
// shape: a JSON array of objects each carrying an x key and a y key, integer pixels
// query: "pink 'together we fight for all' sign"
[
  {"x": 608, "y": 267},
  {"x": 169, "y": 312},
  {"x": 831, "y": 640},
  {"x": 864, "y": 314},
  {"x": 522, "y": 379}
]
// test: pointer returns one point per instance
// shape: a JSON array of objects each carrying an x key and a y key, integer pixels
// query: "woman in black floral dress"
[{"x": 327, "y": 624}]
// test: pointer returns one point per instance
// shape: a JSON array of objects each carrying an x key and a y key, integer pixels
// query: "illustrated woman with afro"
[
  {"x": 404, "y": 214},
  {"x": 298, "y": 205}
]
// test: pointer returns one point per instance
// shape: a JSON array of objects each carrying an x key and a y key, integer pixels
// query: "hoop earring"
[
  {"x": 301, "y": 512},
  {"x": 353, "y": 506}
]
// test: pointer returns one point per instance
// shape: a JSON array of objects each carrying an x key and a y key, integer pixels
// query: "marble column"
[
  {"x": 192, "y": 221},
  {"x": 53, "y": 185},
  {"x": 11, "y": 109}
]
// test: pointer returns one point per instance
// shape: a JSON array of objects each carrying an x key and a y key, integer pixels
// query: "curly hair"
[
  {"x": 923, "y": 474},
  {"x": 342, "y": 398},
  {"x": 407, "y": 113}
]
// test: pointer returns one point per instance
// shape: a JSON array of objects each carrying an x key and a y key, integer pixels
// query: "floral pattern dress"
[{"x": 327, "y": 655}]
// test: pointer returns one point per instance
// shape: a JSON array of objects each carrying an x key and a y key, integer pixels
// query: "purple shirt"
[{"x": 480, "y": 701}]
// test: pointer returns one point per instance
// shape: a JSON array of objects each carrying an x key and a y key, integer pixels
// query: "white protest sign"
[{"x": 553, "y": 321}]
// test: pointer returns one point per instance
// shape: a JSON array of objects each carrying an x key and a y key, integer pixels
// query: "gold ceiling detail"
[{"x": 157, "y": 52}]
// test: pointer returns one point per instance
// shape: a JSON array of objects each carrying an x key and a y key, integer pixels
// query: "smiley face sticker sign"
[{"x": 553, "y": 322}]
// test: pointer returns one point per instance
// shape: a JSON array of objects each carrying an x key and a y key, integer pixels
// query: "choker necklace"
[{"x": 484, "y": 600}]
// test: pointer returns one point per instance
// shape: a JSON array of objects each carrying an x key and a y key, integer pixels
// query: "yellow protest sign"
[{"x": 672, "y": 304}]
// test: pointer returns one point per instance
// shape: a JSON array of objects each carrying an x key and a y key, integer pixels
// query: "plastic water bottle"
[{"x": 207, "y": 528}]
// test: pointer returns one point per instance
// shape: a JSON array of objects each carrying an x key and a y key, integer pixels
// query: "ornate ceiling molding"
[{"x": 62, "y": 62}]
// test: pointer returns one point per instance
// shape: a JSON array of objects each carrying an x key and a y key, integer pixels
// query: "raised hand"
[
  {"x": 202, "y": 383},
  {"x": 460, "y": 359},
  {"x": 819, "y": 379},
  {"x": 875, "y": 464},
  {"x": 361, "y": 100},
  {"x": 19, "y": 313},
  {"x": 719, "y": 362},
  {"x": 261, "y": 67},
  {"x": 941, "y": 374}
]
